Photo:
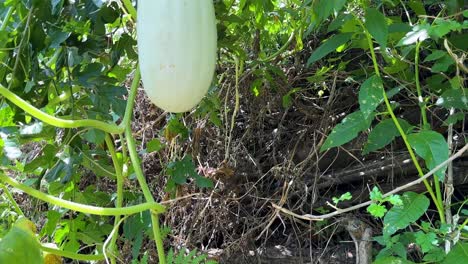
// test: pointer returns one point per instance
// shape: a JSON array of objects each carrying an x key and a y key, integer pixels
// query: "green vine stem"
[
  {"x": 119, "y": 176},
  {"x": 146, "y": 191},
  {"x": 64, "y": 123},
  {"x": 7, "y": 19},
  {"x": 422, "y": 103},
  {"x": 83, "y": 208},
  {"x": 437, "y": 202},
  {"x": 12, "y": 200},
  {"x": 71, "y": 255}
]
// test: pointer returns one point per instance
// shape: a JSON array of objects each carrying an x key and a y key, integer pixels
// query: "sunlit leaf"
[
  {"x": 329, "y": 46},
  {"x": 370, "y": 95}
]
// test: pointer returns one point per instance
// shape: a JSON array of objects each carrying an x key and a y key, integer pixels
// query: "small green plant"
[
  {"x": 344, "y": 197},
  {"x": 188, "y": 258},
  {"x": 378, "y": 208}
]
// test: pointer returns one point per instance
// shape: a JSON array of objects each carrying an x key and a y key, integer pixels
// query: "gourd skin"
[{"x": 177, "y": 51}]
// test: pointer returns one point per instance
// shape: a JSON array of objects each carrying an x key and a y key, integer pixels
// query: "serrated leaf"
[
  {"x": 400, "y": 217},
  {"x": 458, "y": 254},
  {"x": 347, "y": 130},
  {"x": 395, "y": 200},
  {"x": 183, "y": 169},
  {"x": 370, "y": 95},
  {"x": 375, "y": 194},
  {"x": 329, "y": 46},
  {"x": 456, "y": 98},
  {"x": 427, "y": 241},
  {"x": 384, "y": 133},
  {"x": 377, "y": 26},
  {"x": 377, "y": 210},
  {"x": 432, "y": 147}
]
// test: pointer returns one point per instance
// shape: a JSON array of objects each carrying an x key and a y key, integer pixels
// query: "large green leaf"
[
  {"x": 329, "y": 46},
  {"x": 384, "y": 133},
  {"x": 400, "y": 217},
  {"x": 20, "y": 245},
  {"x": 459, "y": 254},
  {"x": 456, "y": 98},
  {"x": 326, "y": 7},
  {"x": 371, "y": 95},
  {"x": 377, "y": 26},
  {"x": 347, "y": 130},
  {"x": 392, "y": 260},
  {"x": 432, "y": 147}
]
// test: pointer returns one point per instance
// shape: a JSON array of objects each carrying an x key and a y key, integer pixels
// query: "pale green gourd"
[{"x": 177, "y": 51}]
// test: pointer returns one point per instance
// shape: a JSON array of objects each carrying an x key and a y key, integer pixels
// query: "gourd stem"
[
  {"x": 64, "y": 123},
  {"x": 146, "y": 191},
  {"x": 7, "y": 18},
  {"x": 71, "y": 255},
  {"x": 83, "y": 208},
  {"x": 119, "y": 176}
]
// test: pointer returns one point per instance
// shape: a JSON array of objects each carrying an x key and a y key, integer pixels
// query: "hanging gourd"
[{"x": 177, "y": 51}]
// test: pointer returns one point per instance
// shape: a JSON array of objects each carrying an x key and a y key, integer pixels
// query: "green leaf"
[
  {"x": 456, "y": 98},
  {"x": 329, "y": 46},
  {"x": 395, "y": 199},
  {"x": 384, "y": 133},
  {"x": 347, "y": 130},
  {"x": 432, "y": 147},
  {"x": 20, "y": 245},
  {"x": 377, "y": 26},
  {"x": 435, "y": 255},
  {"x": 52, "y": 219},
  {"x": 435, "y": 55},
  {"x": 154, "y": 145},
  {"x": 392, "y": 260},
  {"x": 400, "y": 217},
  {"x": 417, "y": 6},
  {"x": 325, "y": 8},
  {"x": 442, "y": 64},
  {"x": 377, "y": 210},
  {"x": 458, "y": 254},
  {"x": 180, "y": 171},
  {"x": 94, "y": 136},
  {"x": 370, "y": 95},
  {"x": 344, "y": 197},
  {"x": 376, "y": 194},
  {"x": 427, "y": 241},
  {"x": 6, "y": 116}
]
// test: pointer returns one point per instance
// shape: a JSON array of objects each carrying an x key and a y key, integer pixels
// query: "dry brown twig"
[{"x": 310, "y": 217}]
